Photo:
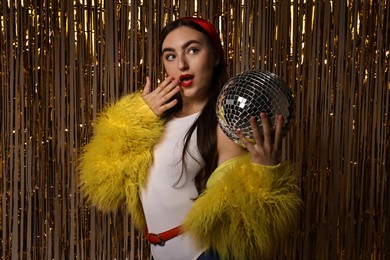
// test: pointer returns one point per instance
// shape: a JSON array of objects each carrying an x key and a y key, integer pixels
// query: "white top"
[{"x": 167, "y": 197}]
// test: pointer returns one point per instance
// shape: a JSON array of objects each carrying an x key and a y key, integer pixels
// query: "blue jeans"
[{"x": 209, "y": 255}]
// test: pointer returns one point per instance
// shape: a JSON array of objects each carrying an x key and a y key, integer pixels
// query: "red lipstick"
[{"x": 186, "y": 80}]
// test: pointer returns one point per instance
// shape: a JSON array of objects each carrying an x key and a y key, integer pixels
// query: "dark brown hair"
[{"x": 206, "y": 124}]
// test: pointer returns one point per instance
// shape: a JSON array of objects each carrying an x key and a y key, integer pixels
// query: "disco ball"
[{"x": 248, "y": 94}]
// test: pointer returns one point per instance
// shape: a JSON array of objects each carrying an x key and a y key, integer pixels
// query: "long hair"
[{"x": 206, "y": 124}]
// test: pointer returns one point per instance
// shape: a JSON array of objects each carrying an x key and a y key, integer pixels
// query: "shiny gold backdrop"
[{"x": 61, "y": 61}]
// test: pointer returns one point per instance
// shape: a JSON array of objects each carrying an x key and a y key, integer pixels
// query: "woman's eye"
[
  {"x": 169, "y": 57},
  {"x": 193, "y": 51}
]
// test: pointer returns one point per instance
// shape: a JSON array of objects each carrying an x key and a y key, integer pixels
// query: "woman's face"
[{"x": 188, "y": 57}]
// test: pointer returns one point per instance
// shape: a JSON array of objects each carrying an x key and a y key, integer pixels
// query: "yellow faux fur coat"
[{"x": 245, "y": 210}]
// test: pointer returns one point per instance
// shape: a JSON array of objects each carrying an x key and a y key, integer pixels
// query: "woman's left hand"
[{"x": 266, "y": 148}]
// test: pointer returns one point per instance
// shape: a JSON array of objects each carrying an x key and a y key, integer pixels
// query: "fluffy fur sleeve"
[
  {"x": 114, "y": 163},
  {"x": 245, "y": 210}
]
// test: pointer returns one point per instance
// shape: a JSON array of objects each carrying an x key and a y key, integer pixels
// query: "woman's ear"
[{"x": 216, "y": 60}]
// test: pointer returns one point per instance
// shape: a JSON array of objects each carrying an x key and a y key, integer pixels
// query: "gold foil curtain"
[{"x": 62, "y": 61}]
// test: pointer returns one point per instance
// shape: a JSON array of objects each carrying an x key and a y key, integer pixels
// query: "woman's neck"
[{"x": 190, "y": 108}]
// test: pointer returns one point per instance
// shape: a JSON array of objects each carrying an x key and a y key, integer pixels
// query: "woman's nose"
[{"x": 183, "y": 65}]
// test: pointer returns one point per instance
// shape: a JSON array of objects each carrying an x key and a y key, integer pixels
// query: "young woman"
[{"x": 196, "y": 193}]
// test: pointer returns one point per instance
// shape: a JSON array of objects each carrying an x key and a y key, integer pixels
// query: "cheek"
[
  {"x": 209, "y": 61},
  {"x": 208, "y": 66},
  {"x": 168, "y": 67}
]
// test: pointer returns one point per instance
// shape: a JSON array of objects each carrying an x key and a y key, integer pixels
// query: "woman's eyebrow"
[{"x": 185, "y": 45}]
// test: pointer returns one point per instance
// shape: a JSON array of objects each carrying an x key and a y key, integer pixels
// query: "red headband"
[{"x": 209, "y": 28}]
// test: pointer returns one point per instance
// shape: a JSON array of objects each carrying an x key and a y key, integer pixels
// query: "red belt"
[{"x": 160, "y": 239}]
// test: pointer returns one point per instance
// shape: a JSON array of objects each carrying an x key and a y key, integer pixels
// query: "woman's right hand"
[{"x": 158, "y": 100}]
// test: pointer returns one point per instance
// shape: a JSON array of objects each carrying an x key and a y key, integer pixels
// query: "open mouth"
[{"x": 186, "y": 80}]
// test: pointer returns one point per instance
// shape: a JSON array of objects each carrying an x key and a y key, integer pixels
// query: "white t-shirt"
[{"x": 168, "y": 194}]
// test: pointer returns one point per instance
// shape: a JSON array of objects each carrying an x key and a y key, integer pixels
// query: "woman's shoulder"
[{"x": 226, "y": 148}]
